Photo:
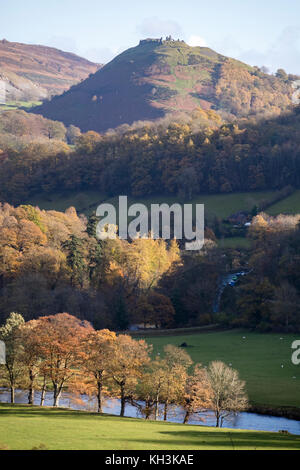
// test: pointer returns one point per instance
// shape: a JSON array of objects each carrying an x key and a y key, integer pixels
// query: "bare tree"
[{"x": 228, "y": 395}]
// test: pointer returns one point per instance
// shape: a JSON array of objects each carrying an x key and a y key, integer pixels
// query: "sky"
[{"x": 259, "y": 32}]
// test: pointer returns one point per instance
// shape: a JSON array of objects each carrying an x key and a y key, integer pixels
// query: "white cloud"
[
  {"x": 159, "y": 28},
  {"x": 195, "y": 41},
  {"x": 228, "y": 45},
  {"x": 284, "y": 52}
]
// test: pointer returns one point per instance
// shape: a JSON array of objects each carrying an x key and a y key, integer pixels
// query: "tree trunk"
[
  {"x": 56, "y": 396},
  {"x": 187, "y": 417},
  {"x": 157, "y": 403},
  {"x": 12, "y": 394},
  {"x": 156, "y": 409},
  {"x": 99, "y": 396},
  {"x": 166, "y": 410},
  {"x": 218, "y": 419},
  {"x": 147, "y": 411},
  {"x": 43, "y": 393},
  {"x": 31, "y": 388},
  {"x": 123, "y": 401}
]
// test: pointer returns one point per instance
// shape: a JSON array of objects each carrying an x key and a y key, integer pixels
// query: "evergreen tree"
[
  {"x": 75, "y": 259},
  {"x": 92, "y": 223},
  {"x": 121, "y": 314}
]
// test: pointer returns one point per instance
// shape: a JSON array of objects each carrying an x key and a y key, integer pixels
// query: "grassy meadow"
[
  {"x": 219, "y": 205},
  {"x": 259, "y": 359},
  {"x": 26, "y": 428},
  {"x": 9, "y": 105},
  {"x": 216, "y": 205},
  {"x": 289, "y": 205}
]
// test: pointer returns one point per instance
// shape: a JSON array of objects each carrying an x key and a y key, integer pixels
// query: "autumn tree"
[
  {"x": 128, "y": 362},
  {"x": 177, "y": 363},
  {"x": 10, "y": 334},
  {"x": 197, "y": 393},
  {"x": 73, "y": 133},
  {"x": 61, "y": 339},
  {"x": 98, "y": 348},
  {"x": 31, "y": 355},
  {"x": 149, "y": 388},
  {"x": 87, "y": 142},
  {"x": 155, "y": 309},
  {"x": 55, "y": 130},
  {"x": 285, "y": 307},
  {"x": 255, "y": 302}
]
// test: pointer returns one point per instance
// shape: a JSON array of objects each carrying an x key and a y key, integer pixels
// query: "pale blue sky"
[{"x": 260, "y": 32}]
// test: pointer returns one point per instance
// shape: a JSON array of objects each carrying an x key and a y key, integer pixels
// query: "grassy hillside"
[
  {"x": 9, "y": 105},
  {"x": 154, "y": 79},
  {"x": 24, "y": 428},
  {"x": 258, "y": 358}
]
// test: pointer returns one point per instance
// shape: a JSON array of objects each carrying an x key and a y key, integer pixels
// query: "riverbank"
[
  {"x": 288, "y": 412},
  {"x": 25, "y": 428},
  {"x": 111, "y": 406}
]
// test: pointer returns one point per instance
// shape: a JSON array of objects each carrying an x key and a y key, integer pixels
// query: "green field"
[
  {"x": 19, "y": 105},
  {"x": 216, "y": 205},
  {"x": 84, "y": 201},
  {"x": 290, "y": 205},
  {"x": 219, "y": 205},
  {"x": 25, "y": 428},
  {"x": 258, "y": 358}
]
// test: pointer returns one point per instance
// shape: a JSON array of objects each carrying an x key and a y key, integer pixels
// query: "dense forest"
[
  {"x": 181, "y": 158},
  {"x": 52, "y": 262}
]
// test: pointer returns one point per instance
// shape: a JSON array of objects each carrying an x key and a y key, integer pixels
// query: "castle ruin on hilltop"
[{"x": 159, "y": 41}]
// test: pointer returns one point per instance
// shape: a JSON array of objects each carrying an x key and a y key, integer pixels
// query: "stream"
[
  {"x": 227, "y": 280},
  {"x": 247, "y": 421}
]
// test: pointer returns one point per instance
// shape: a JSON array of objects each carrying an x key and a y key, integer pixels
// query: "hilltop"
[
  {"x": 159, "y": 77},
  {"x": 33, "y": 72}
]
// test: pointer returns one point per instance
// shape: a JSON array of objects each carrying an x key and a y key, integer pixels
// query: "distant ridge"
[{"x": 33, "y": 72}]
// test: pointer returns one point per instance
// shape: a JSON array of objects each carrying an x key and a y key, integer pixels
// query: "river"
[{"x": 248, "y": 421}]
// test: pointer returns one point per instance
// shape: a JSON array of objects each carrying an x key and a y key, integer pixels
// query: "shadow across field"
[
  {"x": 25, "y": 427},
  {"x": 234, "y": 440},
  {"x": 36, "y": 411}
]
